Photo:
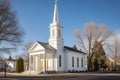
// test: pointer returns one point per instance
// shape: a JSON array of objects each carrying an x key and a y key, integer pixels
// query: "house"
[
  {"x": 54, "y": 56},
  {"x": 2, "y": 66},
  {"x": 10, "y": 65}
]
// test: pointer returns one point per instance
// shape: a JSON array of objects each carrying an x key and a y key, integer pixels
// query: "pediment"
[{"x": 36, "y": 47}]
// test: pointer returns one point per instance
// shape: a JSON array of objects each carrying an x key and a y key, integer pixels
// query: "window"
[
  {"x": 82, "y": 62},
  {"x": 59, "y": 60},
  {"x": 77, "y": 62},
  {"x": 59, "y": 32},
  {"x": 31, "y": 59},
  {"x": 53, "y": 32},
  {"x": 72, "y": 61}
]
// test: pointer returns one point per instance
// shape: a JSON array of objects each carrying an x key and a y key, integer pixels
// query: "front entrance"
[{"x": 42, "y": 64}]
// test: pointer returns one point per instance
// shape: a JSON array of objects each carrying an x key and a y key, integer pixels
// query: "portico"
[{"x": 41, "y": 60}]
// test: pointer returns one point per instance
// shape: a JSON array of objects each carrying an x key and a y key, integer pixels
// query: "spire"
[{"x": 55, "y": 16}]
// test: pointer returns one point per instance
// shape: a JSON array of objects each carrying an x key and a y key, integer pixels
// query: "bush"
[{"x": 20, "y": 65}]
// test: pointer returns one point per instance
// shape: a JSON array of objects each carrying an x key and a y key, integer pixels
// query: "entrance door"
[
  {"x": 46, "y": 64},
  {"x": 41, "y": 64}
]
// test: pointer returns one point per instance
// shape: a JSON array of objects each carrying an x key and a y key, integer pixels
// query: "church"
[{"x": 54, "y": 56}]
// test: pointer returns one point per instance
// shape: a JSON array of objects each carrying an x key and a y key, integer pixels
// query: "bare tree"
[
  {"x": 89, "y": 35},
  {"x": 114, "y": 49},
  {"x": 10, "y": 31},
  {"x": 25, "y": 48},
  {"x": 25, "y": 54}
]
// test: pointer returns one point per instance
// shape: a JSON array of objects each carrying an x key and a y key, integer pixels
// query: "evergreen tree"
[
  {"x": 74, "y": 47},
  {"x": 10, "y": 57},
  {"x": 20, "y": 65},
  {"x": 98, "y": 60}
]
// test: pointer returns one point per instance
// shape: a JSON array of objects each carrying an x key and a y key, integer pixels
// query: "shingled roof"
[
  {"x": 47, "y": 46},
  {"x": 72, "y": 49}
]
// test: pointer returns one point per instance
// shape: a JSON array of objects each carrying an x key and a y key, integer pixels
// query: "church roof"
[
  {"x": 46, "y": 46},
  {"x": 72, "y": 49}
]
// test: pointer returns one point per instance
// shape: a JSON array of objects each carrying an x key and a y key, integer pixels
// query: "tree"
[
  {"x": 98, "y": 58},
  {"x": 104, "y": 62},
  {"x": 10, "y": 57},
  {"x": 10, "y": 31},
  {"x": 89, "y": 35},
  {"x": 25, "y": 55},
  {"x": 114, "y": 49},
  {"x": 74, "y": 47},
  {"x": 20, "y": 65}
]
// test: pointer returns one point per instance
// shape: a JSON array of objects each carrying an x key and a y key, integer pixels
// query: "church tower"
[{"x": 56, "y": 38}]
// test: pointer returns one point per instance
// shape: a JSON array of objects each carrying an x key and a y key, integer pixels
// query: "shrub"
[{"x": 20, "y": 65}]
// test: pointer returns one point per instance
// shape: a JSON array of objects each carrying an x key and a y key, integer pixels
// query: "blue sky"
[{"x": 34, "y": 16}]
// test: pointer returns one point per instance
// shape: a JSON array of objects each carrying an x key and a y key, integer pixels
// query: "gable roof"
[
  {"x": 72, "y": 49},
  {"x": 46, "y": 46}
]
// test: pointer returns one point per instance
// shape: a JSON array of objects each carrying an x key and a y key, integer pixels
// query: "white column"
[
  {"x": 29, "y": 62},
  {"x": 39, "y": 61},
  {"x": 52, "y": 62},
  {"x": 33, "y": 62},
  {"x": 44, "y": 63}
]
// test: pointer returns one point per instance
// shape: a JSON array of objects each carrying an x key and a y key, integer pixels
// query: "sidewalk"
[
  {"x": 59, "y": 74},
  {"x": 23, "y": 74}
]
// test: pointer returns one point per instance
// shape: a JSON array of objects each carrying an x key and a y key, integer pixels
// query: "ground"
[{"x": 62, "y": 76}]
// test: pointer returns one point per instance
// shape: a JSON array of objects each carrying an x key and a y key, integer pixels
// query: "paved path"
[{"x": 64, "y": 76}]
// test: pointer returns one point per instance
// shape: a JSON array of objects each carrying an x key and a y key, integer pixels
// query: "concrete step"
[{"x": 31, "y": 72}]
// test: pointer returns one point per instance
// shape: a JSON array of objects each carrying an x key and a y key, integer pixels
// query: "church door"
[
  {"x": 41, "y": 64},
  {"x": 46, "y": 64}
]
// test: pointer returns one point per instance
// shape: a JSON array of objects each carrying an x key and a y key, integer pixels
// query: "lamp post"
[{"x": 5, "y": 70}]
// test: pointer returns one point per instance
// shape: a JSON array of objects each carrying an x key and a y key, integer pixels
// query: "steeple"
[
  {"x": 56, "y": 38},
  {"x": 55, "y": 16}
]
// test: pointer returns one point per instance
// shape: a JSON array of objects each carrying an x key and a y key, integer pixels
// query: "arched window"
[
  {"x": 82, "y": 62},
  {"x": 77, "y": 62},
  {"x": 60, "y": 61},
  {"x": 72, "y": 61},
  {"x": 59, "y": 33},
  {"x": 53, "y": 32}
]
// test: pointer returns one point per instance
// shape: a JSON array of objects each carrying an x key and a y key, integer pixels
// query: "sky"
[{"x": 35, "y": 16}]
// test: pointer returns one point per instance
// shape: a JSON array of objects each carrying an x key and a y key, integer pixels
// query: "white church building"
[{"x": 54, "y": 56}]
